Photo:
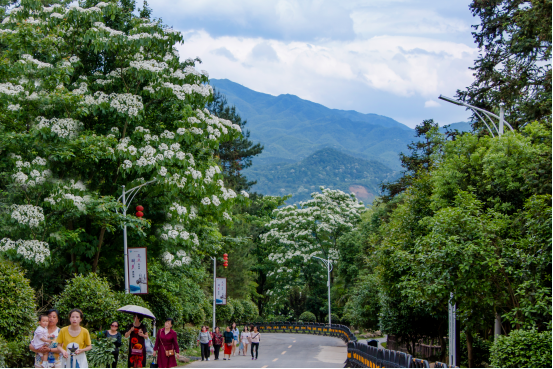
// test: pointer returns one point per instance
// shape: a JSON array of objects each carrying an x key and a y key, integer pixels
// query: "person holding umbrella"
[
  {"x": 167, "y": 346},
  {"x": 137, "y": 334}
]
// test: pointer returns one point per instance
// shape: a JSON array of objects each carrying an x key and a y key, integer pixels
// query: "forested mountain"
[
  {"x": 327, "y": 167},
  {"x": 291, "y": 128}
]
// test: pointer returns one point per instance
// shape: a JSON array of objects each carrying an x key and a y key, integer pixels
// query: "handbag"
[
  {"x": 149, "y": 347},
  {"x": 153, "y": 364},
  {"x": 136, "y": 352},
  {"x": 168, "y": 353}
]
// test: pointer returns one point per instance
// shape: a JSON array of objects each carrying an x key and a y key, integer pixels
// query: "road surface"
[{"x": 287, "y": 350}]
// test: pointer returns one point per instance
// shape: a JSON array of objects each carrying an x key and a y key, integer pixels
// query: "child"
[{"x": 41, "y": 337}]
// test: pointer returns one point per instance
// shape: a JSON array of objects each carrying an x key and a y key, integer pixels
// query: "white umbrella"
[{"x": 134, "y": 309}]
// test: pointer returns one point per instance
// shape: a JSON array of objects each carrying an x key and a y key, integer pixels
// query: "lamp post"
[
  {"x": 123, "y": 198},
  {"x": 489, "y": 115},
  {"x": 328, "y": 269},
  {"x": 225, "y": 264},
  {"x": 454, "y": 351}
]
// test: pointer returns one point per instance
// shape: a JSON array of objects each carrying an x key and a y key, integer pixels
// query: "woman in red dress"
[{"x": 166, "y": 341}]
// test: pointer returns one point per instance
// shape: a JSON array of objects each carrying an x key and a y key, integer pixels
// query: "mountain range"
[{"x": 293, "y": 132}]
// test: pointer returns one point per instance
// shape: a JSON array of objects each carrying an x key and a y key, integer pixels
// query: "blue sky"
[{"x": 391, "y": 57}]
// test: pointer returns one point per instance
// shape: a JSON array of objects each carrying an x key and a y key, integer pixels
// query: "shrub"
[
  {"x": 307, "y": 316},
  {"x": 251, "y": 312},
  {"x": 186, "y": 337},
  {"x": 164, "y": 305},
  {"x": 18, "y": 354},
  {"x": 101, "y": 355},
  {"x": 17, "y": 302},
  {"x": 480, "y": 351},
  {"x": 3, "y": 352},
  {"x": 238, "y": 316},
  {"x": 335, "y": 318},
  {"x": 224, "y": 313},
  {"x": 522, "y": 349},
  {"x": 92, "y": 294}
]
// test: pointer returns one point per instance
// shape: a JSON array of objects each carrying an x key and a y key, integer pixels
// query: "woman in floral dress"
[{"x": 137, "y": 334}]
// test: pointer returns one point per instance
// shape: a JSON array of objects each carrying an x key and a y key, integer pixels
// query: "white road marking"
[
  {"x": 283, "y": 352},
  {"x": 294, "y": 341},
  {"x": 264, "y": 366},
  {"x": 275, "y": 359},
  {"x": 290, "y": 346}
]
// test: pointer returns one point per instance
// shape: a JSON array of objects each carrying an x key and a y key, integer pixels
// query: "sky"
[{"x": 388, "y": 57}]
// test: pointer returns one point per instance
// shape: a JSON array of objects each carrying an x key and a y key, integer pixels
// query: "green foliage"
[
  {"x": 186, "y": 337},
  {"x": 164, "y": 305},
  {"x": 239, "y": 311},
  {"x": 251, "y": 312},
  {"x": 18, "y": 354},
  {"x": 3, "y": 352},
  {"x": 514, "y": 65},
  {"x": 17, "y": 302},
  {"x": 335, "y": 318},
  {"x": 224, "y": 313},
  {"x": 328, "y": 167},
  {"x": 480, "y": 351},
  {"x": 92, "y": 294},
  {"x": 362, "y": 309},
  {"x": 522, "y": 349},
  {"x": 101, "y": 355},
  {"x": 307, "y": 317}
]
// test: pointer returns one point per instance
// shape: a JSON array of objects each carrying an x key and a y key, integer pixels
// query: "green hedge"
[
  {"x": 522, "y": 349},
  {"x": 307, "y": 317},
  {"x": 186, "y": 337},
  {"x": 17, "y": 303},
  {"x": 251, "y": 311}
]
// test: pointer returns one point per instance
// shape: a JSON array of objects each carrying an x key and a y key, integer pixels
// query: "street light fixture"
[
  {"x": 123, "y": 198},
  {"x": 329, "y": 269},
  {"x": 489, "y": 115}
]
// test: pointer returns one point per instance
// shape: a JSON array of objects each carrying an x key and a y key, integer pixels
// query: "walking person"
[
  {"x": 236, "y": 333},
  {"x": 53, "y": 360},
  {"x": 166, "y": 346},
  {"x": 117, "y": 338},
  {"x": 138, "y": 335},
  {"x": 245, "y": 340},
  {"x": 229, "y": 343},
  {"x": 203, "y": 339},
  {"x": 75, "y": 339},
  {"x": 255, "y": 339},
  {"x": 217, "y": 340}
]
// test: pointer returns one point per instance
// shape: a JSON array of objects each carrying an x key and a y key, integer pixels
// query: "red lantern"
[
  {"x": 139, "y": 214},
  {"x": 139, "y": 208},
  {"x": 225, "y": 257}
]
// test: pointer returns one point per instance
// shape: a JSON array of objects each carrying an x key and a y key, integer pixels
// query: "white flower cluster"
[
  {"x": 28, "y": 58},
  {"x": 112, "y": 32},
  {"x": 28, "y": 215},
  {"x": 150, "y": 65},
  {"x": 10, "y": 89},
  {"x": 63, "y": 196},
  {"x": 124, "y": 103},
  {"x": 178, "y": 232},
  {"x": 180, "y": 91},
  {"x": 14, "y": 107},
  {"x": 64, "y": 128},
  {"x": 181, "y": 259},
  {"x": 32, "y": 250}
]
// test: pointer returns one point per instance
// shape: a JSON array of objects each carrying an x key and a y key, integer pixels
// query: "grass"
[{"x": 383, "y": 344}]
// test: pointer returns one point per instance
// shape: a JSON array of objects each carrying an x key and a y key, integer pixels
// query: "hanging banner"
[
  {"x": 138, "y": 270},
  {"x": 221, "y": 291}
]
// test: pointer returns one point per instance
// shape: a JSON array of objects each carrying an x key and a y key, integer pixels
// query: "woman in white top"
[
  {"x": 255, "y": 338},
  {"x": 245, "y": 339}
]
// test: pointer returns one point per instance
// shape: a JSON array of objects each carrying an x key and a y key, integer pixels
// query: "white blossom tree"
[
  {"x": 297, "y": 233},
  {"x": 92, "y": 98}
]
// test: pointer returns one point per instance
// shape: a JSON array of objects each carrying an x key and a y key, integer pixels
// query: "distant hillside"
[
  {"x": 291, "y": 128},
  {"x": 327, "y": 167}
]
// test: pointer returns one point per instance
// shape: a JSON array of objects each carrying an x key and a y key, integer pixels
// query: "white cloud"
[{"x": 431, "y": 104}]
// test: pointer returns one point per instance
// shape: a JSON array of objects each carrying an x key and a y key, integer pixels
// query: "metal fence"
[{"x": 360, "y": 355}]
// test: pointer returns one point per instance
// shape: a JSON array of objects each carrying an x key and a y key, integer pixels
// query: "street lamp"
[
  {"x": 329, "y": 269},
  {"x": 123, "y": 198},
  {"x": 489, "y": 115},
  {"x": 225, "y": 264}
]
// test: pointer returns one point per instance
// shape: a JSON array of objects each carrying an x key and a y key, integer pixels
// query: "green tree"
[{"x": 514, "y": 64}]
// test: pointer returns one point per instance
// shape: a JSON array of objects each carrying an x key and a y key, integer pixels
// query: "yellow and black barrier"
[
  {"x": 321, "y": 329},
  {"x": 361, "y": 355}
]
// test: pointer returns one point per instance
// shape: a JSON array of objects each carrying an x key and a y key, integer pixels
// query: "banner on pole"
[
  {"x": 221, "y": 291},
  {"x": 138, "y": 270}
]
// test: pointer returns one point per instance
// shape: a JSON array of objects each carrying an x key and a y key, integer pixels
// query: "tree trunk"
[
  {"x": 97, "y": 256},
  {"x": 469, "y": 349},
  {"x": 442, "y": 344}
]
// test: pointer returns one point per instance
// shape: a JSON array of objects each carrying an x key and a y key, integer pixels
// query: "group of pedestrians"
[
  {"x": 229, "y": 339},
  {"x": 66, "y": 347}
]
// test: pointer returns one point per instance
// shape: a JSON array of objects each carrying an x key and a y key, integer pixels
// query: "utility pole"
[
  {"x": 214, "y": 288},
  {"x": 328, "y": 265}
]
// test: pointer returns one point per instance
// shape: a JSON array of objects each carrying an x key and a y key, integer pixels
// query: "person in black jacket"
[{"x": 116, "y": 336}]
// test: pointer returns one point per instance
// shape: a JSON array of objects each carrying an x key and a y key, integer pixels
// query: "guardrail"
[
  {"x": 360, "y": 354},
  {"x": 321, "y": 329}
]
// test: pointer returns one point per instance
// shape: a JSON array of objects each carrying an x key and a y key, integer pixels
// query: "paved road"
[{"x": 286, "y": 350}]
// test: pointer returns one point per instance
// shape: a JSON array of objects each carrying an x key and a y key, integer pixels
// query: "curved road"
[{"x": 287, "y": 350}]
